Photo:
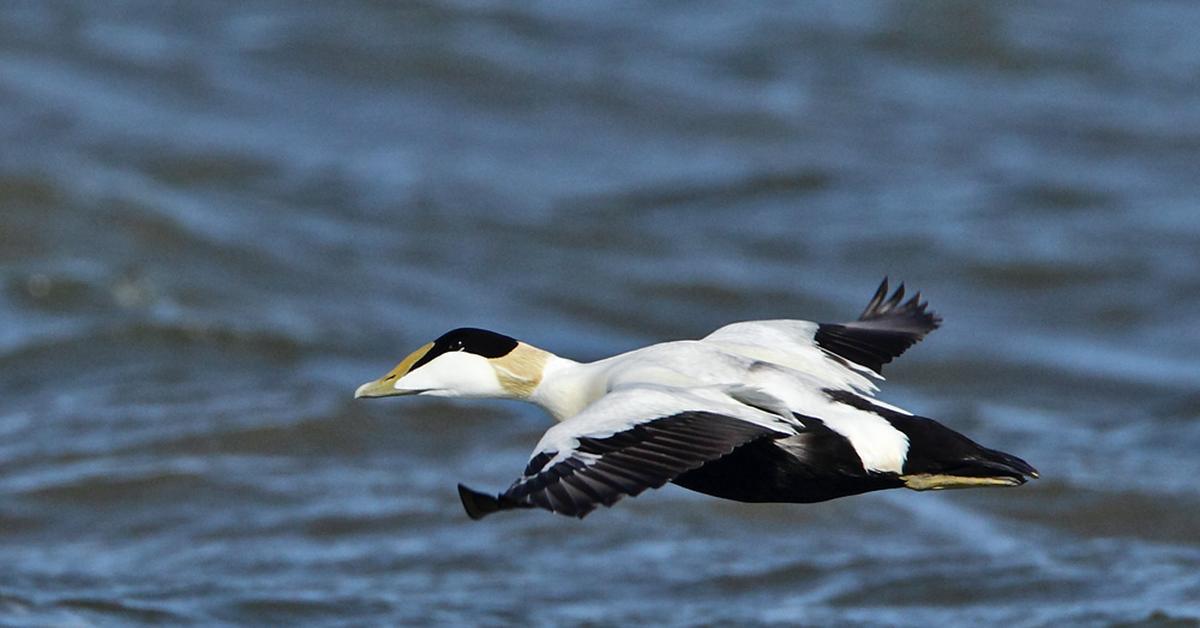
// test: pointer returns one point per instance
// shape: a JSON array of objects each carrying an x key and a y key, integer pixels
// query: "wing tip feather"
[
  {"x": 887, "y": 327},
  {"x": 478, "y": 505},
  {"x": 911, "y": 316}
]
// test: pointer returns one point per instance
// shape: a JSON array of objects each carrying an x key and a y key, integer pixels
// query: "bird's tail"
[
  {"x": 989, "y": 468},
  {"x": 940, "y": 458}
]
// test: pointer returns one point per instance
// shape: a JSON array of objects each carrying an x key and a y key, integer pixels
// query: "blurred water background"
[{"x": 217, "y": 218}]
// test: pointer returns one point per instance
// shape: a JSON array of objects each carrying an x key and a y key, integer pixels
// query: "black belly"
[{"x": 823, "y": 466}]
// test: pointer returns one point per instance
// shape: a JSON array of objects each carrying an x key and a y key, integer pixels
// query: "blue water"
[{"x": 216, "y": 219}]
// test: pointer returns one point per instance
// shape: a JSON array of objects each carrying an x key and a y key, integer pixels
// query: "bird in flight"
[{"x": 756, "y": 411}]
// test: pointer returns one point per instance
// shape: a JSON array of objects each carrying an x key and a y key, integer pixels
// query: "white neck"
[{"x": 567, "y": 387}]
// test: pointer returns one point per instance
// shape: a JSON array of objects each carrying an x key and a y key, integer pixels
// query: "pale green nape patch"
[{"x": 521, "y": 370}]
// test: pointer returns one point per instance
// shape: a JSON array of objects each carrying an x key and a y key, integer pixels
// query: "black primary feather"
[
  {"x": 603, "y": 470},
  {"x": 886, "y": 328}
]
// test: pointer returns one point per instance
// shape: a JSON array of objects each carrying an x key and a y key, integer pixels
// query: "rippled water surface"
[{"x": 217, "y": 218}]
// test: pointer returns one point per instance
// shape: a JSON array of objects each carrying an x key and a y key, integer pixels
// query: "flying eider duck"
[{"x": 758, "y": 411}]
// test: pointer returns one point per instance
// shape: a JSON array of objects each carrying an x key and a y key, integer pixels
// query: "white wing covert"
[{"x": 844, "y": 355}]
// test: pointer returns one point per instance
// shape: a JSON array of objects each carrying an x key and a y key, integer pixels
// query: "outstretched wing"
[
  {"x": 885, "y": 329},
  {"x": 839, "y": 354},
  {"x": 632, "y": 439}
]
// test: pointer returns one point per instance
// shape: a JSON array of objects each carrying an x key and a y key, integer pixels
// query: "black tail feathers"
[
  {"x": 939, "y": 457},
  {"x": 990, "y": 462}
]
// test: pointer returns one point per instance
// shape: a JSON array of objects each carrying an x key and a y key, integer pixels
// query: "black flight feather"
[
  {"x": 602, "y": 470},
  {"x": 886, "y": 328}
]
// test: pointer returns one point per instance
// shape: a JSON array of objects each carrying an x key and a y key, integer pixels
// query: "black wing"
[
  {"x": 885, "y": 329},
  {"x": 603, "y": 470}
]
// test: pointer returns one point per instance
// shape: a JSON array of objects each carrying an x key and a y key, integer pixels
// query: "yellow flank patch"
[
  {"x": 520, "y": 371},
  {"x": 934, "y": 481}
]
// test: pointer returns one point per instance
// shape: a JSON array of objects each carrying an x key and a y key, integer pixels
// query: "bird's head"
[{"x": 465, "y": 362}]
